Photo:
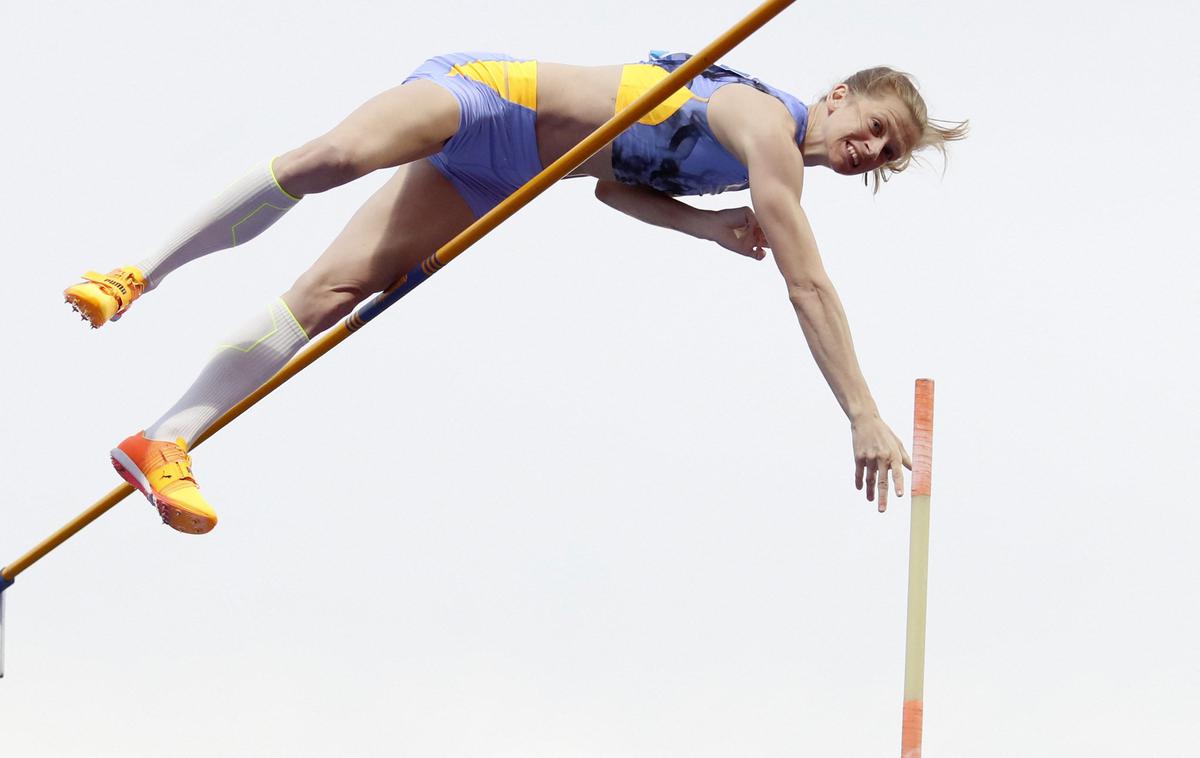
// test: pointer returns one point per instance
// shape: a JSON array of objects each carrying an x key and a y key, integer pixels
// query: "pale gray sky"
[{"x": 585, "y": 492}]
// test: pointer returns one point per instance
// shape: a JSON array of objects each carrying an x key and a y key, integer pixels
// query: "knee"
[
  {"x": 317, "y": 166},
  {"x": 318, "y": 302}
]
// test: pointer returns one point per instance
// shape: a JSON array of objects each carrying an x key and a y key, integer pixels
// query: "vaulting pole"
[
  {"x": 918, "y": 573},
  {"x": 448, "y": 252}
]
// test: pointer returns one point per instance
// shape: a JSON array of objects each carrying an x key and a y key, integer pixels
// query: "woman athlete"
[{"x": 464, "y": 131}]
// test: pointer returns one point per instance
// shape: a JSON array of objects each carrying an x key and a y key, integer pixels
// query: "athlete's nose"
[{"x": 874, "y": 146}]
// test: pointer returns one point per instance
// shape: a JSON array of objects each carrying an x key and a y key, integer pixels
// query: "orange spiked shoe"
[
  {"x": 162, "y": 471},
  {"x": 103, "y": 298}
]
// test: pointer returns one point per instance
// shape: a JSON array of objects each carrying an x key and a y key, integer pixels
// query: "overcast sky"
[{"x": 585, "y": 493}]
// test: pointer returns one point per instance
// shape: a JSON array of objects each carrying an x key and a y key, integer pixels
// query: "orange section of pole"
[
  {"x": 910, "y": 735},
  {"x": 607, "y": 132},
  {"x": 922, "y": 481}
]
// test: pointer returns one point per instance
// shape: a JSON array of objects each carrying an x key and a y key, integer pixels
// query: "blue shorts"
[{"x": 495, "y": 148}]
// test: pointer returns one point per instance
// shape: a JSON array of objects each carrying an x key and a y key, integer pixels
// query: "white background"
[{"x": 585, "y": 492}]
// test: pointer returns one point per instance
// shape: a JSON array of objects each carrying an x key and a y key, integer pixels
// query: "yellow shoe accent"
[
  {"x": 101, "y": 298},
  {"x": 162, "y": 471}
]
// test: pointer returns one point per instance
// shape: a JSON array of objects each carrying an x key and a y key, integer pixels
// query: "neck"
[{"x": 813, "y": 149}]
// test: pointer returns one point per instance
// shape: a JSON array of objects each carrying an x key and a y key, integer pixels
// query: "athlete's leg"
[
  {"x": 395, "y": 127},
  {"x": 415, "y": 213},
  {"x": 400, "y": 125},
  {"x": 408, "y": 219}
]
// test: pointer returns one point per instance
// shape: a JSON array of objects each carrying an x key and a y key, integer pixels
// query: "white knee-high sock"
[
  {"x": 247, "y": 358},
  {"x": 240, "y": 213}
]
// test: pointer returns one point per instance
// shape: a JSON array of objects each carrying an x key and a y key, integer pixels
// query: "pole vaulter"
[{"x": 448, "y": 252}]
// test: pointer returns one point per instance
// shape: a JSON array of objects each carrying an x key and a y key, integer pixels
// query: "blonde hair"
[{"x": 880, "y": 81}]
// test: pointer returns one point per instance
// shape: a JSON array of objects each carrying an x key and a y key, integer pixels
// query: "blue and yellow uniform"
[
  {"x": 495, "y": 148},
  {"x": 672, "y": 149}
]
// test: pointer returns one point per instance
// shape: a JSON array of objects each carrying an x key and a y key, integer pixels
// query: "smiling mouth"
[{"x": 855, "y": 158}]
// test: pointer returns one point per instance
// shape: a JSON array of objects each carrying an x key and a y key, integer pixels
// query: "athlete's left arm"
[{"x": 760, "y": 132}]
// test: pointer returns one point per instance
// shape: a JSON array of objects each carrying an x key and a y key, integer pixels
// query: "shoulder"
[{"x": 747, "y": 121}]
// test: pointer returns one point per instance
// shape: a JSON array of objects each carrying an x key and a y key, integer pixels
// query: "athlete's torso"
[
  {"x": 573, "y": 101},
  {"x": 673, "y": 150}
]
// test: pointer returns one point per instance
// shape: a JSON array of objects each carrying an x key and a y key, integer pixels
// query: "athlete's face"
[{"x": 864, "y": 133}]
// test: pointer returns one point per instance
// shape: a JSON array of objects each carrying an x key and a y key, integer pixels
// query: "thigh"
[
  {"x": 403, "y": 124},
  {"x": 399, "y": 125},
  {"x": 405, "y": 221}
]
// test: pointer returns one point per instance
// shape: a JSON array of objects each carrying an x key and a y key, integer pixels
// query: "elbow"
[
  {"x": 606, "y": 191},
  {"x": 812, "y": 298},
  {"x": 803, "y": 291}
]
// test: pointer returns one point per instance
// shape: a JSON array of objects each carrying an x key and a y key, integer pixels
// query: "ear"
[{"x": 838, "y": 97}]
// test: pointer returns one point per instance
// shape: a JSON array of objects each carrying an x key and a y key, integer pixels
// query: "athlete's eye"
[{"x": 875, "y": 126}]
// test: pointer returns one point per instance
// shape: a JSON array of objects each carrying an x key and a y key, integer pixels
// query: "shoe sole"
[
  {"x": 84, "y": 309},
  {"x": 172, "y": 515}
]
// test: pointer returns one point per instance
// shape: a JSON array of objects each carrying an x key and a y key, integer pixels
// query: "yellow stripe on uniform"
[
  {"x": 515, "y": 81},
  {"x": 639, "y": 77},
  {"x": 490, "y": 73},
  {"x": 522, "y": 83}
]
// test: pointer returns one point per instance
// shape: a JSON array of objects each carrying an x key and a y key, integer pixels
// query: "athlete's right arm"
[{"x": 735, "y": 229}]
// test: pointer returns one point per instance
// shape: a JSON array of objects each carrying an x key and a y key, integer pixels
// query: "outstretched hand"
[
  {"x": 737, "y": 229},
  {"x": 878, "y": 451}
]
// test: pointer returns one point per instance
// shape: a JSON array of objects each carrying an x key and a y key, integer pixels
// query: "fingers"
[
  {"x": 875, "y": 474},
  {"x": 897, "y": 473},
  {"x": 883, "y": 487},
  {"x": 752, "y": 228},
  {"x": 748, "y": 240},
  {"x": 748, "y": 237},
  {"x": 756, "y": 231},
  {"x": 872, "y": 479},
  {"x": 747, "y": 248},
  {"x": 879, "y": 461}
]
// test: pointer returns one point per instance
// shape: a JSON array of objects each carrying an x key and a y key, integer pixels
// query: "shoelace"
[
  {"x": 124, "y": 286},
  {"x": 183, "y": 462},
  {"x": 134, "y": 290}
]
